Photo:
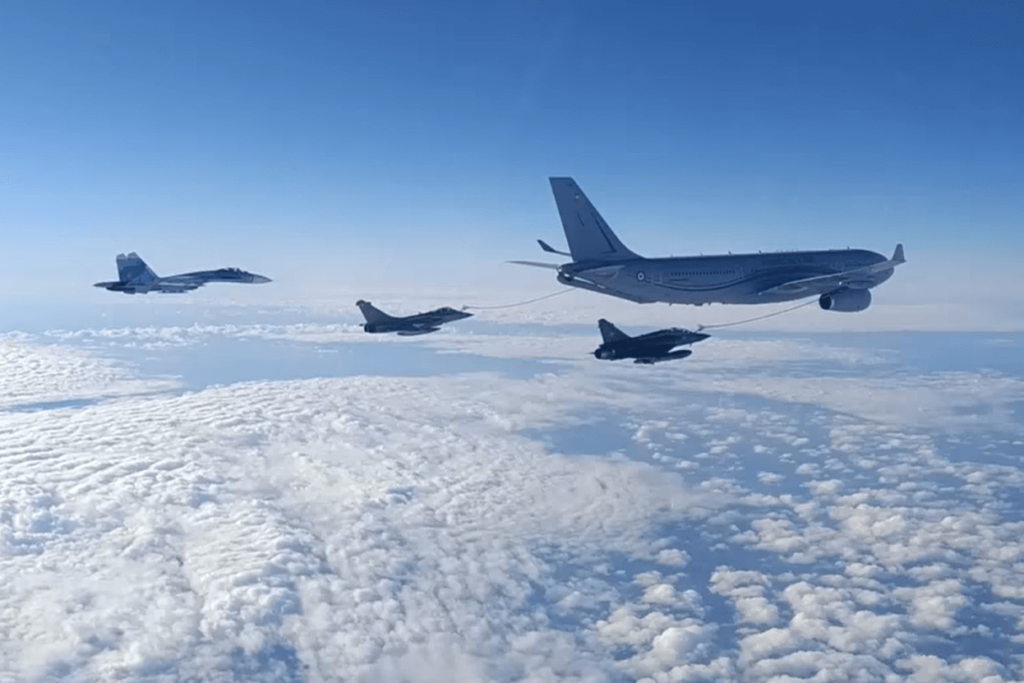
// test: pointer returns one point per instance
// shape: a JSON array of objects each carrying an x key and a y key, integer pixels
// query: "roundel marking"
[{"x": 640, "y": 276}]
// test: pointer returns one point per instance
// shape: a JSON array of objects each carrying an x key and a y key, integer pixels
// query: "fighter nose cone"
[
  {"x": 700, "y": 336},
  {"x": 260, "y": 280}
]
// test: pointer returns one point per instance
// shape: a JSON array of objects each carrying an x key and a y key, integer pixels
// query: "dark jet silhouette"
[
  {"x": 647, "y": 349},
  {"x": 411, "y": 325},
  {"x": 135, "y": 277}
]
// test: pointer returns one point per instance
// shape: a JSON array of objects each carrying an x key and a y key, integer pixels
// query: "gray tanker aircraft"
[
  {"x": 841, "y": 278},
  {"x": 646, "y": 349},
  {"x": 411, "y": 325},
  {"x": 135, "y": 277}
]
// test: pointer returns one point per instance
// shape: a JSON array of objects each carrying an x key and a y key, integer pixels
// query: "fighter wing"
[
  {"x": 177, "y": 286},
  {"x": 417, "y": 332},
  {"x": 822, "y": 284},
  {"x": 651, "y": 360}
]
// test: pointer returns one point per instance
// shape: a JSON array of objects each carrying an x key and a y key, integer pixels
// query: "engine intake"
[{"x": 846, "y": 300}]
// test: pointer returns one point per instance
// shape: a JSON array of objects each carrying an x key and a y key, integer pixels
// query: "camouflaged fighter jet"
[
  {"x": 411, "y": 325},
  {"x": 135, "y": 277},
  {"x": 647, "y": 349}
]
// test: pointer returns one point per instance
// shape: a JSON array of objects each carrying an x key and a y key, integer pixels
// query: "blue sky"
[{"x": 361, "y": 137}]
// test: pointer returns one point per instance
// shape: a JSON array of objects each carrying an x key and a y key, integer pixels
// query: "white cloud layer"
[
  {"x": 34, "y": 376},
  {"x": 897, "y": 397},
  {"x": 377, "y": 529},
  {"x": 369, "y": 528}
]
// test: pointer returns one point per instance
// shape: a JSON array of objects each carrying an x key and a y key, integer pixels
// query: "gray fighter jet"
[
  {"x": 411, "y": 325},
  {"x": 135, "y": 277},
  {"x": 842, "y": 279},
  {"x": 647, "y": 349}
]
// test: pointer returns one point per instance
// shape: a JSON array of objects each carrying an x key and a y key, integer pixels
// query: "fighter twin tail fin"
[{"x": 132, "y": 268}]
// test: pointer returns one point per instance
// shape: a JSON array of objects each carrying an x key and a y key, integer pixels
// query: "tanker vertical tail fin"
[{"x": 589, "y": 236}]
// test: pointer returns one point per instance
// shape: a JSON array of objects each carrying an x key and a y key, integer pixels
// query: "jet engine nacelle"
[
  {"x": 846, "y": 300},
  {"x": 369, "y": 327}
]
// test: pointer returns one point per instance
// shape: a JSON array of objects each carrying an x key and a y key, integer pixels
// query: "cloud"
[
  {"x": 882, "y": 391},
  {"x": 746, "y": 589},
  {"x": 40, "y": 376},
  {"x": 951, "y": 399},
  {"x": 868, "y": 617},
  {"x": 933, "y": 605},
  {"x": 929, "y": 668},
  {"x": 366, "y": 528},
  {"x": 410, "y": 529},
  {"x": 153, "y": 337}
]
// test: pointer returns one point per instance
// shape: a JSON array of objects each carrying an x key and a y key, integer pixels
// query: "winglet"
[
  {"x": 897, "y": 255},
  {"x": 551, "y": 250}
]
